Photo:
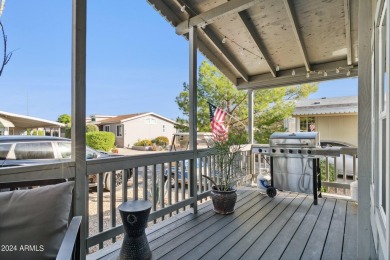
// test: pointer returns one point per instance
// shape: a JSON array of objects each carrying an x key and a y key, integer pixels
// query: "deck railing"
[
  {"x": 144, "y": 177},
  {"x": 163, "y": 178},
  {"x": 337, "y": 173}
]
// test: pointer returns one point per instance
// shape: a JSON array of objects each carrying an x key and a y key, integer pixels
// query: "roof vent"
[
  {"x": 323, "y": 98},
  {"x": 317, "y": 103}
]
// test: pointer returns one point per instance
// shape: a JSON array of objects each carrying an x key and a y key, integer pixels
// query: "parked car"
[
  {"x": 339, "y": 160},
  {"x": 34, "y": 150}
]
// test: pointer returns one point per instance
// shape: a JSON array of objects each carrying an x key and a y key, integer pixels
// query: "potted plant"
[
  {"x": 228, "y": 170},
  {"x": 114, "y": 149}
]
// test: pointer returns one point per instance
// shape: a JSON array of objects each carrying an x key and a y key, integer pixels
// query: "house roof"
[
  {"x": 128, "y": 117},
  {"x": 268, "y": 43},
  {"x": 336, "y": 105},
  {"x": 28, "y": 121}
]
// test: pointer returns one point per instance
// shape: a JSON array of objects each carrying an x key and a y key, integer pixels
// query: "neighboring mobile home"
[
  {"x": 335, "y": 118},
  {"x": 15, "y": 124},
  {"x": 130, "y": 128}
]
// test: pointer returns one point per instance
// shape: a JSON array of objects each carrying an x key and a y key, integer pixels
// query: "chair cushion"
[{"x": 33, "y": 222}]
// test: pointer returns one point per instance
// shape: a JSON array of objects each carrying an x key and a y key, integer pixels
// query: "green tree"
[
  {"x": 91, "y": 128},
  {"x": 271, "y": 105},
  {"x": 64, "y": 118}
]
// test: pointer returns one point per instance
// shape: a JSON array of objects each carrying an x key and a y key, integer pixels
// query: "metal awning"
[
  {"x": 28, "y": 121},
  {"x": 5, "y": 123},
  {"x": 268, "y": 43}
]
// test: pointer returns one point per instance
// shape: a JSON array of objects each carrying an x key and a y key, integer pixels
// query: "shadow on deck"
[{"x": 288, "y": 226}]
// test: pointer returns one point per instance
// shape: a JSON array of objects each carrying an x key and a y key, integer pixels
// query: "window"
[
  {"x": 150, "y": 121},
  {"x": 106, "y": 128},
  {"x": 307, "y": 124},
  {"x": 163, "y": 128},
  {"x": 119, "y": 130},
  {"x": 37, "y": 150}
]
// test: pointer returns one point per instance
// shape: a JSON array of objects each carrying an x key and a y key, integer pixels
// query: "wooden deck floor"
[{"x": 288, "y": 226}]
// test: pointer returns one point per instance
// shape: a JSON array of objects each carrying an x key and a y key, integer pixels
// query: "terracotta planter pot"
[{"x": 223, "y": 201}]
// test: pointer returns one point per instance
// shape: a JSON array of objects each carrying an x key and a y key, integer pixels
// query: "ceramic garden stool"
[{"x": 135, "y": 216}]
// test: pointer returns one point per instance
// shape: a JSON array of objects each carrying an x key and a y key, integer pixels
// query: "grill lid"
[{"x": 296, "y": 139}]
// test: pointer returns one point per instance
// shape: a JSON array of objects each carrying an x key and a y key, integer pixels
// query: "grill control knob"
[
  {"x": 299, "y": 151},
  {"x": 309, "y": 151},
  {"x": 273, "y": 150},
  {"x": 290, "y": 151},
  {"x": 260, "y": 150},
  {"x": 282, "y": 150}
]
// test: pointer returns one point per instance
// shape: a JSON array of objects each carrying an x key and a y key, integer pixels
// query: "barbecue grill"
[{"x": 294, "y": 161}]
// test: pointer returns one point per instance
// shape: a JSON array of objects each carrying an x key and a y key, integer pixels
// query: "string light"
[
  {"x": 293, "y": 72},
  {"x": 183, "y": 8},
  {"x": 242, "y": 51},
  {"x": 325, "y": 73},
  {"x": 277, "y": 68},
  {"x": 348, "y": 73},
  {"x": 337, "y": 70},
  {"x": 307, "y": 75},
  {"x": 224, "y": 40},
  {"x": 204, "y": 25}
]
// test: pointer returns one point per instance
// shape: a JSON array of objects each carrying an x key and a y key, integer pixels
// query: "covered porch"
[{"x": 270, "y": 44}]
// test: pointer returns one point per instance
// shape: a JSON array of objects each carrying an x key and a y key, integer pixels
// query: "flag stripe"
[{"x": 217, "y": 121}]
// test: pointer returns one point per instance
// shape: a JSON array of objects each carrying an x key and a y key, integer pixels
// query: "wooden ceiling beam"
[
  {"x": 256, "y": 38},
  {"x": 162, "y": 8},
  {"x": 219, "y": 46},
  {"x": 212, "y": 15},
  {"x": 298, "y": 36},
  {"x": 216, "y": 61},
  {"x": 225, "y": 52},
  {"x": 287, "y": 78},
  {"x": 348, "y": 31}
]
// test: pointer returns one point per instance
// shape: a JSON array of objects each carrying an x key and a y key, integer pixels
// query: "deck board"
[
  {"x": 264, "y": 240},
  {"x": 315, "y": 245},
  {"x": 281, "y": 241},
  {"x": 334, "y": 242},
  {"x": 350, "y": 232},
  {"x": 288, "y": 226}
]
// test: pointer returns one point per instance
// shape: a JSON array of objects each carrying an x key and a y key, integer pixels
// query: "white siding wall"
[
  {"x": 338, "y": 128},
  {"x": 139, "y": 128}
]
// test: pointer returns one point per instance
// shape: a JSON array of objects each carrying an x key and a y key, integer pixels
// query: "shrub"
[
  {"x": 91, "y": 128},
  {"x": 100, "y": 140},
  {"x": 144, "y": 142},
  {"x": 331, "y": 173},
  {"x": 38, "y": 132},
  {"x": 161, "y": 140}
]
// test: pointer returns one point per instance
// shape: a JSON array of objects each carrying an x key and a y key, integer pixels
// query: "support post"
[
  {"x": 364, "y": 135},
  {"x": 251, "y": 132},
  {"x": 193, "y": 107},
  {"x": 79, "y": 22}
]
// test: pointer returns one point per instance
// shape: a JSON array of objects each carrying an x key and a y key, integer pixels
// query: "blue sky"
[{"x": 135, "y": 61}]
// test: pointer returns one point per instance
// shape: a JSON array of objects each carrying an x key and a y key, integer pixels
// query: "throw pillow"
[{"x": 33, "y": 222}]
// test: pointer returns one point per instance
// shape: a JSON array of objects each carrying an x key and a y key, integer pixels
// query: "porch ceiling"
[{"x": 316, "y": 40}]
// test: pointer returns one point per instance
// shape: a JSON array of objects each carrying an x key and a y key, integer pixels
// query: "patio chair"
[{"x": 34, "y": 223}]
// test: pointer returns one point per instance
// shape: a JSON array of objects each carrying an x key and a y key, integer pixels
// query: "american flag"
[{"x": 217, "y": 119}]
